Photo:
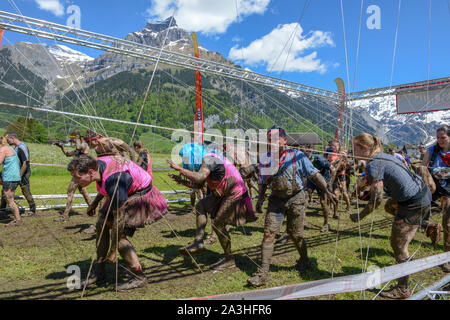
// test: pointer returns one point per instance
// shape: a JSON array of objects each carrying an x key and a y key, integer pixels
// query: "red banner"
[
  {"x": 1, "y": 36},
  {"x": 198, "y": 125}
]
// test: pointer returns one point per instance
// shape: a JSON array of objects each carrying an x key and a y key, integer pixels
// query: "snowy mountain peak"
[
  {"x": 161, "y": 25},
  {"x": 401, "y": 129},
  {"x": 66, "y": 55}
]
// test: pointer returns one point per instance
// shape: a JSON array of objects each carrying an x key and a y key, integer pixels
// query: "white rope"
[
  {"x": 337, "y": 204},
  {"x": 52, "y": 59},
  {"x": 395, "y": 42},
  {"x": 357, "y": 46}
]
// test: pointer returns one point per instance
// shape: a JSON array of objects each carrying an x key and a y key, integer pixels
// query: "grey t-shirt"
[{"x": 398, "y": 183}]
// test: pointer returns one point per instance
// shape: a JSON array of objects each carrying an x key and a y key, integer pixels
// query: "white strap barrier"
[
  {"x": 65, "y": 166},
  {"x": 56, "y": 201},
  {"x": 49, "y": 165},
  {"x": 77, "y": 195},
  {"x": 343, "y": 284}
]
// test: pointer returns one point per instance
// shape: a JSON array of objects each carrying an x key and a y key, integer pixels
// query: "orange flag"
[
  {"x": 1, "y": 36},
  {"x": 198, "y": 128}
]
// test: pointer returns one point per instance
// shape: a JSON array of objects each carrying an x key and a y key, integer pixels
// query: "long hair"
[
  {"x": 368, "y": 140},
  {"x": 140, "y": 145},
  {"x": 445, "y": 129}
]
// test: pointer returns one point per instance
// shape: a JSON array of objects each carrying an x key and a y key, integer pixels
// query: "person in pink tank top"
[
  {"x": 228, "y": 204},
  {"x": 131, "y": 201}
]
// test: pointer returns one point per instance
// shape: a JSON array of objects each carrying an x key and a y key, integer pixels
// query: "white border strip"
[{"x": 350, "y": 283}]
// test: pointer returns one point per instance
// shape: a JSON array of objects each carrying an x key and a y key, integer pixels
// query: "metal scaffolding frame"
[
  {"x": 61, "y": 33},
  {"x": 432, "y": 292},
  {"x": 57, "y": 32},
  {"x": 402, "y": 88}
]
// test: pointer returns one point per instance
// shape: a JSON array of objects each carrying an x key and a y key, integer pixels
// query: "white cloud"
[
  {"x": 54, "y": 6},
  {"x": 290, "y": 39},
  {"x": 206, "y": 16}
]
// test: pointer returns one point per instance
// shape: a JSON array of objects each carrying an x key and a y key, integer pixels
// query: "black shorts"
[
  {"x": 440, "y": 190},
  {"x": 414, "y": 212},
  {"x": 339, "y": 178},
  {"x": 10, "y": 185}
]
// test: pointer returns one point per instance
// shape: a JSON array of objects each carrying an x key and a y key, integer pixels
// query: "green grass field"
[{"x": 36, "y": 255}]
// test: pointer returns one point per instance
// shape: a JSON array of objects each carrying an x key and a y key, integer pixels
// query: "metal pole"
[{"x": 424, "y": 293}]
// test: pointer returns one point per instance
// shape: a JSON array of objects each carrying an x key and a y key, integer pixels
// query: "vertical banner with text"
[
  {"x": 198, "y": 124},
  {"x": 1, "y": 36}
]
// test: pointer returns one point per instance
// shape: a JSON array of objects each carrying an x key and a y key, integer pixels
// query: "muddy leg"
[
  {"x": 9, "y": 195},
  {"x": 86, "y": 195},
  {"x": 70, "y": 196},
  {"x": 401, "y": 235}
]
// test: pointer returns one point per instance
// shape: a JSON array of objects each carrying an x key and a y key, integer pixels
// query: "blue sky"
[{"x": 315, "y": 57}]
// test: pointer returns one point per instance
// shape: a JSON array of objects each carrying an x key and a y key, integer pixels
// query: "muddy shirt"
[
  {"x": 399, "y": 182},
  {"x": 81, "y": 148},
  {"x": 304, "y": 167},
  {"x": 113, "y": 146}
]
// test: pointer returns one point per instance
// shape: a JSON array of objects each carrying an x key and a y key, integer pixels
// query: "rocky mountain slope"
[{"x": 402, "y": 129}]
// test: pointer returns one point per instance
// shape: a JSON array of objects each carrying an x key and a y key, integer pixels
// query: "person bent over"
[
  {"x": 409, "y": 202},
  {"x": 338, "y": 180},
  {"x": 108, "y": 146},
  {"x": 81, "y": 147},
  {"x": 228, "y": 204},
  {"x": 131, "y": 201},
  {"x": 283, "y": 169}
]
